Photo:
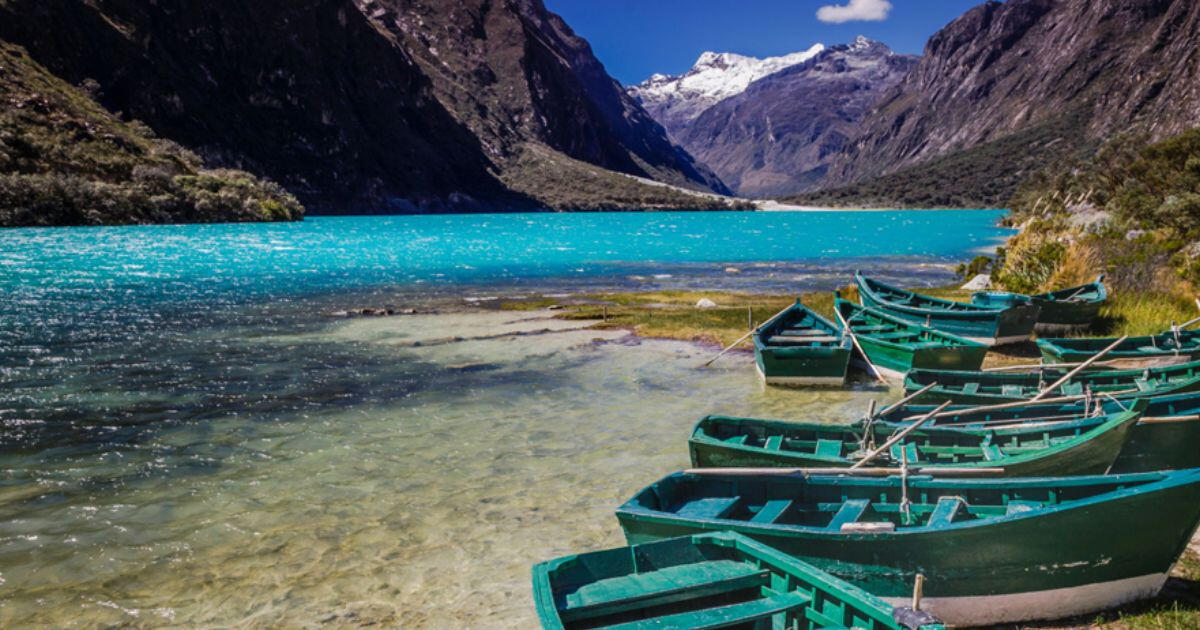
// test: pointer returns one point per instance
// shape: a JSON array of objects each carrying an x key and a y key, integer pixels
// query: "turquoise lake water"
[{"x": 191, "y": 440}]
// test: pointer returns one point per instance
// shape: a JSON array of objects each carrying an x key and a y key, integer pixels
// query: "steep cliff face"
[
  {"x": 1004, "y": 69},
  {"x": 780, "y": 134},
  {"x": 514, "y": 73},
  {"x": 353, "y": 105},
  {"x": 303, "y": 91},
  {"x": 64, "y": 160}
]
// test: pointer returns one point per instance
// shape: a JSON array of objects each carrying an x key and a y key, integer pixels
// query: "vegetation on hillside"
[
  {"x": 984, "y": 176},
  {"x": 566, "y": 184},
  {"x": 64, "y": 160},
  {"x": 1132, "y": 211}
]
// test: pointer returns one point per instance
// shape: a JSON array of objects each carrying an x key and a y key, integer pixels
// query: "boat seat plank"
[
  {"x": 773, "y": 443},
  {"x": 851, "y": 511},
  {"x": 991, "y": 453},
  {"x": 945, "y": 511},
  {"x": 1143, "y": 385},
  {"x": 1012, "y": 391},
  {"x": 723, "y": 616},
  {"x": 771, "y": 511},
  {"x": 664, "y": 586},
  {"x": 909, "y": 450},
  {"x": 802, "y": 332},
  {"x": 737, "y": 439},
  {"x": 829, "y": 448},
  {"x": 1017, "y": 507},
  {"x": 777, "y": 340},
  {"x": 710, "y": 507},
  {"x": 970, "y": 388},
  {"x": 872, "y": 328}
]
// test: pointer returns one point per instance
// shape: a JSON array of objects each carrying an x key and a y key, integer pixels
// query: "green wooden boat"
[
  {"x": 717, "y": 580},
  {"x": 895, "y": 346},
  {"x": 799, "y": 347},
  {"x": 992, "y": 551},
  {"x": 986, "y": 388},
  {"x": 1162, "y": 349},
  {"x": 1064, "y": 449},
  {"x": 1166, "y": 437},
  {"x": 986, "y": 325},
  {"x": 1061, "y": 310}
]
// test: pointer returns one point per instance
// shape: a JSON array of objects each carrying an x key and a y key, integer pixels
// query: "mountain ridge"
[
  {"x": 1125, "y": 64},
  {"x": 350, "y": 111}
]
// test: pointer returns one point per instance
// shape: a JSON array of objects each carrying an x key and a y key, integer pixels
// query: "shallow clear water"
[{"x": 189, "y": 440}]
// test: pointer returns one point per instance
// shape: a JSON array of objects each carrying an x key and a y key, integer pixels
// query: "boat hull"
[
  {"x": 1167, "y": 437},
  {"x": 899, "y": 359},
  {"x": 1093, "y": 454},
  {"x": 1067, "y": 562},
  {"x": 802, "y": 366},
  {"x": 784, "y": 356},
  {"x": 990, "y": 326}
]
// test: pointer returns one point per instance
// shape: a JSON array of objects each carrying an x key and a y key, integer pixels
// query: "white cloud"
[{"x": 855, "y": 10}]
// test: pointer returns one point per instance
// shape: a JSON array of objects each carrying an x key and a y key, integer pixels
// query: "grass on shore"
[{"x": 673, "y": 314}]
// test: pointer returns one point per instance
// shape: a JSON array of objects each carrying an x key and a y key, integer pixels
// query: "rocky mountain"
[
  {"x": 362, "y": 105},
  {"x": 64, "y": 160},
  {"x": 677, "y": 100},
  {"x": 779, "y": 135},
  {"x": 1044, "y": 78}
]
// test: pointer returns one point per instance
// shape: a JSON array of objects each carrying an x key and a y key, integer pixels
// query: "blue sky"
[{"x": 635, "y": 38}]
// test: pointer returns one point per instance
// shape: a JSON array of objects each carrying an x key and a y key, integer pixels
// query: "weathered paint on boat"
[
  {"x": 799, "y": 347},
  {"x": 989, "y": 326},
  {"x": 1166, "y": 437},
  {"x": 991, "y": 551},
  {"x": 1165, "y": 348},
  {"x": 702, "y": 581},
  {"x": 984, "y": 388},
  {"x": 1061, "y": 310},
  {"x": 895, "y": 346},
  {"x": 1068, "y": 449}
]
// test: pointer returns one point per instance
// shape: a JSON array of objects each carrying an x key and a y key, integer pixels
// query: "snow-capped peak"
[{"x": 715, "y": 77}]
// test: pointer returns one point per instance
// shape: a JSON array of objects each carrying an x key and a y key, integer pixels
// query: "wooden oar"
[
  {"x": 854, "y": 339},
  {"x": 1066, "y": 377},
  {"x": 1022, "y": 403},
  {"x": 1037, "y": 366},
  {"x": 905, "y": 400},
  {"x": 900, "y": 435},
  {"x": 743, "y": 337},
  {"x": 869, "y": 471}
]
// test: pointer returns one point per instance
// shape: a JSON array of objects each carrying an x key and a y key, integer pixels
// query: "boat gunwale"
[
  {"x": 974, "y": 311},
  {"x": 1167, "y": 479},
  {"x": 1111, "y": 422},
  {"x": 959, "y": 341}
]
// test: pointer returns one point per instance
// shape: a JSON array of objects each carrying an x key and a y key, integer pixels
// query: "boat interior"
[
  {"x": 695, "y": 581},
  {"x": 919, "y": 447},
  {"x": 800, "y": 327},
  {"x": 860, "y": 504},
  {"x": 867, "y": 324}
]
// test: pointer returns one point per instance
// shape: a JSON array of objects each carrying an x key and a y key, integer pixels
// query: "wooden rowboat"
[
  {"x": 1166, "y": 437},
  {"x": 715, "y": 580},
  {"x": 1061, "y": 310},
  {"x": 1166, "y": 348},
  {"x": 895, "y": 346},
  {"x": 986, "y": 325},
  {"x": 1065, "y": 449},
  {"x": 985, "y": 388},
  {"x": 991, "y": 550},
  {"x": 799, "y": 347}
]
